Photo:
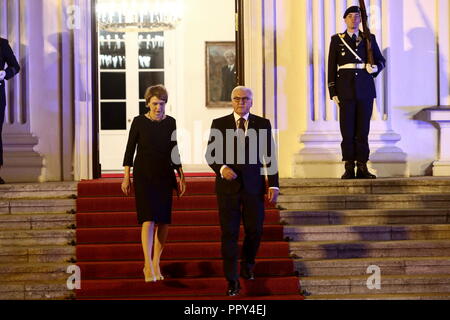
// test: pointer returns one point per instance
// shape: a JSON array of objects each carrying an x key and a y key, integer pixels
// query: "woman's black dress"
[{"x": 153, "y": 168}]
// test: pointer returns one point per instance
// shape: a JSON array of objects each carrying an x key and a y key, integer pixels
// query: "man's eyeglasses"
[{"x": 243, "y": 99}]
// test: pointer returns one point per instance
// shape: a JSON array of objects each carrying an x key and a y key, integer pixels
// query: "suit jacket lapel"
[
  {"x": 251, "y": 122},
  {"x": 231, "y": 123}
]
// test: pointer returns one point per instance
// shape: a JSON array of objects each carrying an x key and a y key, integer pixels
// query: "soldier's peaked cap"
[{"x": 352, "y": 9}]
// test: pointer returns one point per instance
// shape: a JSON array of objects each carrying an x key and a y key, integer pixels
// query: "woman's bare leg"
[
  {"x": 160, "y": 240},
  {"x": 147, "y": 246}
]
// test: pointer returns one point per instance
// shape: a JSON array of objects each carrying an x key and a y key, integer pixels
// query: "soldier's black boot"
[
  {"x": 362, "y": 172},
  {"x": 349, "y": 170}
]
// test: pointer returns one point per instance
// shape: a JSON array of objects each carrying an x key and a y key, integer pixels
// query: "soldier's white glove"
[
  {"x": 336, "y": 100},
  {"x": 371, "y": 69},
  {"x": 2, "y": 75}
]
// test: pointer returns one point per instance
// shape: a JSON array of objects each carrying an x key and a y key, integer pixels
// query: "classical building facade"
[{"x": 49, "y": 128}]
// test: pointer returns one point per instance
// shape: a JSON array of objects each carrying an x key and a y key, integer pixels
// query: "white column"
[
  {"x": 83, "y": 53},
  {"x": 253, "y": 47},
  {"x": 386, "y": 158},
  {"x": 21, "y": 162}
]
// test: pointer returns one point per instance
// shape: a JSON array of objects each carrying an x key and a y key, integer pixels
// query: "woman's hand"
[
  {"x": 126, "y": 186},
  {"x": 182, "y": 186}
]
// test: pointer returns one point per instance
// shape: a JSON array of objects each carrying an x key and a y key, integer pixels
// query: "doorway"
[{"x": 128, "y": 62}]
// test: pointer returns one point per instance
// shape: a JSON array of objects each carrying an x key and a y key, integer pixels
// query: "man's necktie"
[
  {"x": 241, "y": 141},
  {"x": 241, "y": 129},
  {"x": 241, "y": 124},
  {"x": 354, "y": 38}
]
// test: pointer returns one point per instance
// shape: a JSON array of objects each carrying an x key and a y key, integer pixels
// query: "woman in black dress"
[{"x": 154, "y": 177}]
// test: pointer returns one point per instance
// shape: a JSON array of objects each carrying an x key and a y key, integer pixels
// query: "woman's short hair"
[{"x": 158, "y": 91}]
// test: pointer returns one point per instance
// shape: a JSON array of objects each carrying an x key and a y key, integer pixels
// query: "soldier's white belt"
[{"x": 359, "y": 66}]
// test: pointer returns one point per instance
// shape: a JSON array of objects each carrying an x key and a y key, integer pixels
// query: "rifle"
[{"x": 366, "y": 33}]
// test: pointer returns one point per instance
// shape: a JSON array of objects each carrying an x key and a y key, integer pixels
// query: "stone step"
[
  {"x": 37, "y": 206},
  {"x": 16, "y": 272},
  {"x": 367, "y": 233},
  {"x": 369, "y": 249},
  {"x": 419, "y": 185},
  {"x": 359, "y": 267},
  {"x": 36, "y": 221},
  {"x": 364, "y": 201},
  {"x": 393, "y": 296},
  {"x": 38, "y": 190},
  {"x": 366, "y": 217},
  {"x": 35, "y": 290},
  {"x": 389, "y": 284},
  {"x": 37, "y": 254},
  {"x": 20, "y": 238}
]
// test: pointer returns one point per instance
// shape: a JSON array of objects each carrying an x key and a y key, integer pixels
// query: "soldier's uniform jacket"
[
  {"x": 351, "y": 84},
  {"x": 7, "y": 58}
]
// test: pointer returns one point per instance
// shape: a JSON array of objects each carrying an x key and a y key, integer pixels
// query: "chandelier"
[{"x": 138, "y": 15}]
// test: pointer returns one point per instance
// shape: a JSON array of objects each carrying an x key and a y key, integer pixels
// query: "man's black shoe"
[
  {"x": 234, "y": 288},
  {"x": 2, "y": 181},
  {"x": 247, "y": 272},
  {"x": 349, "y": 170},
  {"x": 362, "y": 172}
]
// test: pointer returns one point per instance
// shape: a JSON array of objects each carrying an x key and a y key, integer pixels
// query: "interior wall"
[{"x": 203, "y": 20}]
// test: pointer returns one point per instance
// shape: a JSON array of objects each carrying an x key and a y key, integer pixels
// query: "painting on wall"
[{"x": 221, "y": 74}]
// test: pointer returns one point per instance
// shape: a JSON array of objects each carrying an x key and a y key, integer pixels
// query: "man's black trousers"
[{"x": 231, "y": 208}]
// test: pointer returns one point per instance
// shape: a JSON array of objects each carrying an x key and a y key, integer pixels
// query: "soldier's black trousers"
[{"x": 355, "y": 118}]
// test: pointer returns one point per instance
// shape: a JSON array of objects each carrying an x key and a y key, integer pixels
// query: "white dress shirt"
[{"x": 236, "y": 119}]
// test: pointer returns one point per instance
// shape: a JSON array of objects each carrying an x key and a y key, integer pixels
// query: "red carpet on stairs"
[{"x": 110, "y": 256}]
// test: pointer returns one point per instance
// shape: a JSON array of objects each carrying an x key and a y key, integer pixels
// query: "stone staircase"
[
  {"x": 338, "y": 229},
  {"x": 37, "y": 224}
]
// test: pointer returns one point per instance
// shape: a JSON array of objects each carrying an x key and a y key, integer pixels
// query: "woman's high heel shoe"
[
  {"x": 149, "y": 278},
  {"x": 160, "y": 276}
]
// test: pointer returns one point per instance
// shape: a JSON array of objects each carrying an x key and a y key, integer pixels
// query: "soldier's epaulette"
[{"x": 341, "y": 35}]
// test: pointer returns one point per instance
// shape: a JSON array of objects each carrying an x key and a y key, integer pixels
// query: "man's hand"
[
  {"x": 371, "y": 69},
  {"x": 2, "y": 75},
  {"x": 126, "y": 186},
  {"x": 337, "y": 101},
  {"x": 228, "y": 174},
  {"x": 273, "y": 195}
]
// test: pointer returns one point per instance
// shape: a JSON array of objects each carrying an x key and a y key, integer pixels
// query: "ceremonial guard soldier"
[
  {"x": 8, "y": 60},
  {"x": 354, "y": 61}
]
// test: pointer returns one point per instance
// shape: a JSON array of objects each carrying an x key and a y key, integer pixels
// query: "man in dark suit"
[
  {"x": 6, "y": 58},
  {"x": 228, "y": 75},
  {"x": 352, "y": 87},
  {"x": 241, "y": 151}
]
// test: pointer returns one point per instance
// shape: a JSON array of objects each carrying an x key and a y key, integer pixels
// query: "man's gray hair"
[{"x": 249, "y": 91}]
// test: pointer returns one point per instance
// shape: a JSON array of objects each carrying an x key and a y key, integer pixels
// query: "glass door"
[{"x": 128, "y": 64}]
